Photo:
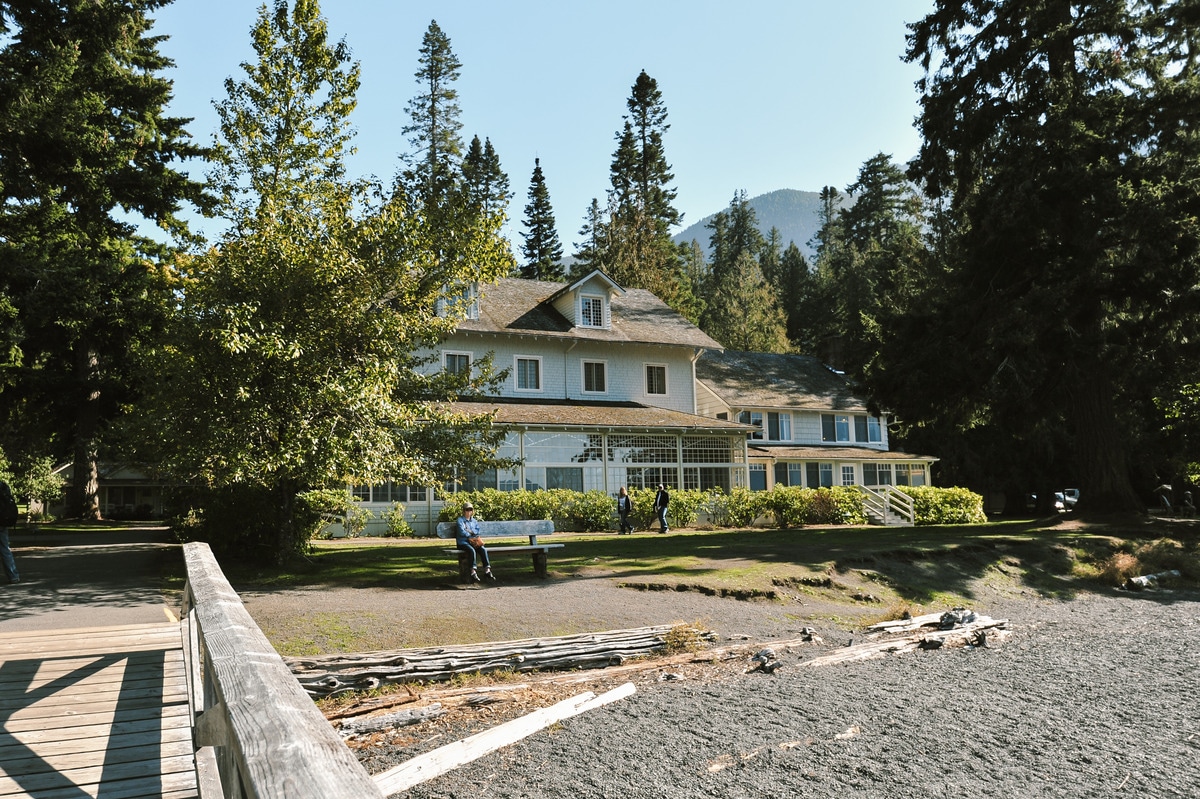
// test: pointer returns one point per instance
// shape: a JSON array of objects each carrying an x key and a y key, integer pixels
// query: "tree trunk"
[
  {"x": 84, "y": 498},
  {"x": 1105, "y": 484}
]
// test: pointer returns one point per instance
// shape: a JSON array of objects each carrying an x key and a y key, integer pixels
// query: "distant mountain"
[{"x": 794, "y": 212}]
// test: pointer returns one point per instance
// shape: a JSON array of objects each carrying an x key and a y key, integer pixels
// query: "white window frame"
[
  {"x": 849, "y": 474},
  {"x": 784, "y": 422},
  {"x": 517, "y": 359},
  {"x": 754, "y": 418},
  {"x": 843, "y": 427},
  {"x": 583, "y": 375},
  {"x": 874, "y": 430},
  {"x": 602, "y": 303},
  {"x": 447, "y": 354},
  {"x": 646, "y": 374},
  {"x": 467, "y": 294}
]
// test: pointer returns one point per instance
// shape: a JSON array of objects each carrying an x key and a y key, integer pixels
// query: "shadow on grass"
[{"x": 916, "y": 564}]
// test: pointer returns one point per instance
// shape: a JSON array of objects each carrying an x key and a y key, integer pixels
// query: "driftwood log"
[
  {"x": 931, "y": 631},
  {"x": 336, "y": 674}
]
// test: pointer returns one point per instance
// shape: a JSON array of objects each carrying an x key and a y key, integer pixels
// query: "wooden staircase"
[{"x": 887, "y": 505}]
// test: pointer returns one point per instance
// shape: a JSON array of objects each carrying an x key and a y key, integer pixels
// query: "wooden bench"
[{"x": 509, "y": 529}]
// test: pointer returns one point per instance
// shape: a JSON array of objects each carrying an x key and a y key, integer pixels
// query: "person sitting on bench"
[{"x": 468, "y": 540}]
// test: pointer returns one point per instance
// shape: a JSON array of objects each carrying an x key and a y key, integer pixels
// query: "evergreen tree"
[
  {"x": 743, "y": 312},
  {"x": 798, "y": 295},
  {"x": 86, "y": 151},
  {"x": 638, "y": 251},
  {"x": 484, "y": 180},
  {"x": 542, "y": 250},
  {"x": 434, "y": 165},
  {"x": 589, "y": 253},
  {"x": 294, "y": 364},
  {"x": 1068, "y": 163}
]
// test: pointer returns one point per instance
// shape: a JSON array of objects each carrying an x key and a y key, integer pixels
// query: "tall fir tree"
[
  {"x": 743, "y": 312},
  {"x": 434, "y": 166},
  {"x": 1068, "y": 163},
  {"x": 638, "y": 251},
  {"x": 590, "y": 252},
  {"x": 542, "y": 250},
  {"x": 87, "y": 150},
  {"x": 485, "y": 182}
]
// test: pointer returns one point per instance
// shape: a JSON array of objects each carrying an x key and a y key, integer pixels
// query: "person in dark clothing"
[
  {"x": 8, "y": 508},
  {"x": 468, "y": 540},
  {"x": 624, "y": 508},
  {"x": 661, "y": 502}
]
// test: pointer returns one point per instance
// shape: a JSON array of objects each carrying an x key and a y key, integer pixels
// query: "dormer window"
[
  {"x": 461, "y": 300},
  {"x": 591, "y": 311}
]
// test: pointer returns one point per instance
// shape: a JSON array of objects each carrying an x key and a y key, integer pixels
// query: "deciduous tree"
[{"x": 296, "y": 363}]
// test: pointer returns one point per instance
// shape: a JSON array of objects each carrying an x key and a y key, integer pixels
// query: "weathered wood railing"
[
  {"x": 258, "y": 734},
  {"x": 888, "y": 504}
]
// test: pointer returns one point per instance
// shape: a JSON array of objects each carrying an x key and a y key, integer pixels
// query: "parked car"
[{"x": 1070, "y": 496}]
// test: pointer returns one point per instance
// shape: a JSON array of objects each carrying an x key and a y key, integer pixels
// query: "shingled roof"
[
  {"x": 769, "y": 380},
  {"x": 518, "y": 306},
  {"x": 565, "y": 413},
  {"x": 839, "y": 453}
]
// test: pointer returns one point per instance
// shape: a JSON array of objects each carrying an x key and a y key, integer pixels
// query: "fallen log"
[
  {"x": 924, "y": 638},
  {"x": 337, "y": 674},
  {"x": 401, "y": 718}
]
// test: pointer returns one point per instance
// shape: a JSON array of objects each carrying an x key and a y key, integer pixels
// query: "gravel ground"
[{"x": 1090, "y": 697}]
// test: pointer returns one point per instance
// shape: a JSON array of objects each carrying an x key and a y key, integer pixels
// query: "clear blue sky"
[{"x": 760, "y": 95}]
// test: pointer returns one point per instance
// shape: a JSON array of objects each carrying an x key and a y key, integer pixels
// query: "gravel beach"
[{"x": 1093, "y": 696}]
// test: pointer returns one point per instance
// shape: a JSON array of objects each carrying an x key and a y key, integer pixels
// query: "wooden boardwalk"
[{"x": 99, "y": 712}]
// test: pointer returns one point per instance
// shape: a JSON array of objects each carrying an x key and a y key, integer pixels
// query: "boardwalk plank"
[{"x": 81, "y": 706}]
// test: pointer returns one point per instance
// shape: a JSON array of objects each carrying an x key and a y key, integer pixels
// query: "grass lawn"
[{"x": 917, "y": 565}]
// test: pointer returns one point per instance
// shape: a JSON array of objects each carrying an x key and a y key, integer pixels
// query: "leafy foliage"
[
  {"x": 933, "y": 505},
  {"x": 295, "y": 363}
]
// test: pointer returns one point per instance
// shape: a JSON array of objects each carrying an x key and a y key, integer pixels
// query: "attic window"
[
  {"x": 591, "y": 312},
  {"x": 461, "y": 300}
]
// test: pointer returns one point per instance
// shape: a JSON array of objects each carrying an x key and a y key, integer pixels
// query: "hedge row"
[{"x": 788, "y": 506}]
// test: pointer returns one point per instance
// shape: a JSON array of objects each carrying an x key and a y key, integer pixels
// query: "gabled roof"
[
  {"x": 523, "y": 307},
  {"x": 769, "y": 380},
  {"x": 598, "y": 275}
]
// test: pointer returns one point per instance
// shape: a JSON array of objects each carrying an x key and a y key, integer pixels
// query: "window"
[
  {"x": 458, "y": 363},
  {"x": 779, "y": 426},
  {"x": 847, "y": 475},
  {"x": 790, "y": 474},
  {"x": 656, "y": 379},
  {"x": 819, "y": 474},
  {"x": 591, "y": 312},
  {"x": 570, "y": 478},
  {"x": 758, "y": 477},
  {"x": 877, "y": 474},
  {"x": 835, "y": 427},
  {"x": 866, "y": 428},
  {"x": 593, "y": 377},
  {"x": 529, "y": 373},
  {"x": 902, "y": 474},
  {"x": 754, "y": 418},
  {"x": 461, "y": 301}
]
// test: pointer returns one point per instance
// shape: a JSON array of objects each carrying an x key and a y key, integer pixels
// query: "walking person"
[
  {"x": 661, "y": 501},
  {"x": 624, "y": 508},
  {"x": 468, "y": 540},
  {"x": 8, "y": 517}
]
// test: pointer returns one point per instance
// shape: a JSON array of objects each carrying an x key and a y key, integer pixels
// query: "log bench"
[{"x": 507, "y": 529}]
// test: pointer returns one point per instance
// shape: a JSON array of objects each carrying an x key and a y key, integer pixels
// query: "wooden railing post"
[{"x": 269, "y": 739}]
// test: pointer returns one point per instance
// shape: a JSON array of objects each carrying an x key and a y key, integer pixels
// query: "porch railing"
[{"x": 888, "y": 505}]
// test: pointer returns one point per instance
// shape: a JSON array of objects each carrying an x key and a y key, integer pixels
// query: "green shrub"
[
  {"x": 397, "y": 525},
  {"x": 933, "y": 505},
  {"x": 739, "y": 508}
]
